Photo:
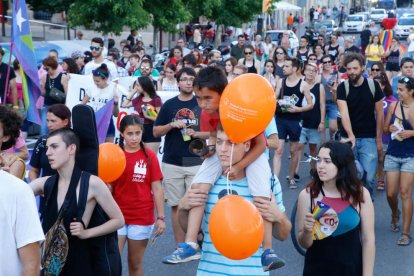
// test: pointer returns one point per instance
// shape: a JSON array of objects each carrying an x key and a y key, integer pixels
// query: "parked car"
[
  {"x": 355, "y": 23},
  {"x": 275, "y": 35},
  {"x": 378, "y": 15},
  {"x": 366, "y": 15},
  {"x": 402, "y": 29},
  {"x": 326, "y": 26},
  {"x": 63, "y": 47}
]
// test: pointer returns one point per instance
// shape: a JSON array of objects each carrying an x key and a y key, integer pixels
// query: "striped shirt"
[{"x": 212, "y": 262}]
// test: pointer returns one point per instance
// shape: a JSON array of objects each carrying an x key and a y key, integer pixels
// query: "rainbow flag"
[{"x": 22, "y": 48}]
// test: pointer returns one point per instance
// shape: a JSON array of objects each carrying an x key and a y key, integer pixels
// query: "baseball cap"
[{"x": 77, "y": 54}]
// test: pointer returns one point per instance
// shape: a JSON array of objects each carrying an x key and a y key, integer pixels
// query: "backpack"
[
  {"x": 370, "y": 83},
  {"x": 55, "y": 247},
  {"x": 105, "y": 256}
]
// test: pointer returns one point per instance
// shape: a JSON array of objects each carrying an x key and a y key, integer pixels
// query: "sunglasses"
[
  {"x": 376, "y": 69},
  {"x": 248, "y": 53},
  {"x": 326, "y": 62},
  {"x": 94, "y": 48},
  {"x": 280, "y": 53},
  {"x": 145, "y": 67}
]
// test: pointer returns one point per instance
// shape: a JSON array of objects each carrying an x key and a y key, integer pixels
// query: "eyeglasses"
[
  {"x": 94, "y": 48},
  {"x": 376, "y": 69},
  {"x": 145, "y": 67},
  {"x": 187, "y": 80},
  {"x": 248, "y": 53},
  {"x": 97, "y": 73},
  {"x": 326, "y": 62}
]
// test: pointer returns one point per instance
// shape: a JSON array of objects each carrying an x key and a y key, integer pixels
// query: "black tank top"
[
  {"x": 78, "y": 261},
  {"x": 292, "y": 92},
  {"x": 333, "y": 52},
  {"x": 250, "y": 69},
  {"x": 50, "y": 83},
  {"x": 312, "y": 118},
  {"x": 303, "y": 56}
]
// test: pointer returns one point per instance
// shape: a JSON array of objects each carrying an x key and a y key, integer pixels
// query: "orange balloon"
[
  {"x": 111, "y": 162},
  {"x": 236, "y": 227},
  {"x": 247, "y": 106}
]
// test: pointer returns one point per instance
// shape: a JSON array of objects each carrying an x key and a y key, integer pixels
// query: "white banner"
[{"x": 79, "y": 84}]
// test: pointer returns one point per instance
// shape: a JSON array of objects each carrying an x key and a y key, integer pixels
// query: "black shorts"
[
  {"x": 286, "y": 127},
  {"x": 147, "y": 136},
  {"x": 392, "y": 67},
  {"x": 111, "y": 129}
]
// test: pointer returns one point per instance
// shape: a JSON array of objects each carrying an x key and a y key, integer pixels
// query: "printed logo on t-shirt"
[
  {"x": 187, "y": 116},
  {"x": 140, "y": 171}
]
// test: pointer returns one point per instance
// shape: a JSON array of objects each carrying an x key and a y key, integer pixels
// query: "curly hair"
[{"x": 11, "y": 122}]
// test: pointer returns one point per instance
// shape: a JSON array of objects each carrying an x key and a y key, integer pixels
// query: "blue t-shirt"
[
  {"x": 212, "y": 262},
  {"x": 175, "y": 148}
]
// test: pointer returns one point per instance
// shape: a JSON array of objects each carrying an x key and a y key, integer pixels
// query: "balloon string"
[{"x": 229, "y": 187}]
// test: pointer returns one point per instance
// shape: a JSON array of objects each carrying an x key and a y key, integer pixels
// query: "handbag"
[
  {"x": 56, "y": 94},
  {"x": 55, "y": 248}
]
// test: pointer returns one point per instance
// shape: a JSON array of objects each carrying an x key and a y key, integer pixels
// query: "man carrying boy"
[
  {"x": 213, "y": 262},
  {"x": 210, "y": 84}
]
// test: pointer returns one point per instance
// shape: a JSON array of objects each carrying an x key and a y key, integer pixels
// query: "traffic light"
[{"x": 266, "y": 4}]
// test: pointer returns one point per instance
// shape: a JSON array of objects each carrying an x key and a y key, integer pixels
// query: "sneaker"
[
  {"x": 184, "y": 253},
  {"x": 271, "y": 261},
  {"x": 295, "y": 176},
  {"x": 292, "y": 184}
]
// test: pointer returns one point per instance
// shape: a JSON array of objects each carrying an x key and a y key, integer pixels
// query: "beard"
[{"x": 353, "y": 79}]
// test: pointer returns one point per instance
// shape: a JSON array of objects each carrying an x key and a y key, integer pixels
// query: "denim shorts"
[
  {"x": 310, "y": 136},
  {"x": 331, "y": 111},
  {"x": 136, "y": 232},
  {"x": 402, "y": 164},
  {"x": 286, "y": 127}
]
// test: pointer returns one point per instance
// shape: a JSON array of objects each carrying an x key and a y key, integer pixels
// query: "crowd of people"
[{"x": 367, "y": 108}]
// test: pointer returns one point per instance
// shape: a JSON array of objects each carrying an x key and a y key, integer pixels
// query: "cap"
[{"x": 77, "y": 54}]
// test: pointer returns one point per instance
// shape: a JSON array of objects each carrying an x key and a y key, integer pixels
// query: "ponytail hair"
[
  {"x": 102, "y": 71},
  {"x": 130, "y": 120}
]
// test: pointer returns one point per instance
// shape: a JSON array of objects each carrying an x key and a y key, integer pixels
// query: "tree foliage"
[{"x": 111, "y": 16}]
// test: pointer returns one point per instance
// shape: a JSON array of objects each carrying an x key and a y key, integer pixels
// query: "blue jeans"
[
  {"x": 43, "y": 116},
  {"x": 365, "y": 152}
]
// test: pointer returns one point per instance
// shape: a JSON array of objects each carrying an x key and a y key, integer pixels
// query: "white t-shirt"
[
  {"x": 100, "y": 97},
  {"x": 411, "y": 46},
  {"x": 91, "y": 65},
  {"x": 20, "y": 224}
]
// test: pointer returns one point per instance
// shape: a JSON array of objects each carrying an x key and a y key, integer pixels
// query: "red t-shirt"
[
  {"x": 138, "y": 102},
  {"x": 209, "y": 122},
  {"x": 132, "y": 191}
]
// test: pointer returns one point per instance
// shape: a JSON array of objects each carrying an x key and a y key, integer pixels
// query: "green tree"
[{"x": 108, "y": 16}]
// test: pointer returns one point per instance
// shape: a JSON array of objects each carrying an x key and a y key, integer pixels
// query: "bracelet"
[{"x": 161, "y": 218}]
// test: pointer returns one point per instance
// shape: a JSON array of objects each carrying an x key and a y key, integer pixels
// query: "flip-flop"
[{"x": 404, "y": 240}]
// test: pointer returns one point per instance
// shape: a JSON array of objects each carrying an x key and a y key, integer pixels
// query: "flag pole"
[{"x": 6, "y": 88}]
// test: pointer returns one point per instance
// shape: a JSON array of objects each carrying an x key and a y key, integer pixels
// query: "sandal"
[
  {"x": 394, "y": 227},
  {"x": 404, "y": 240},
  {"x": 381, "y": 185}
]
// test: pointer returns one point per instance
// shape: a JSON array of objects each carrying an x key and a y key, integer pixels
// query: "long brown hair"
[
  {"x": 347, "y": 181},
  {"x": 130, "y": 120}
]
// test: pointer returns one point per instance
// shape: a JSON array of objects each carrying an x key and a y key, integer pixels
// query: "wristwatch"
[{"x": 161, "y": 218}]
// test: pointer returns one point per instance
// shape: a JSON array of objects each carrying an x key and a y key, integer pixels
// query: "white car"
[
  {"x": 276, "y": 34},
  {"x": 378, "y": 15},
  {"x": 402, "y": 30},
  {"x": 355, "y": 23}
]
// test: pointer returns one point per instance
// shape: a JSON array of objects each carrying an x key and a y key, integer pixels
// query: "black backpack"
[{"x": 105, "y": 256}]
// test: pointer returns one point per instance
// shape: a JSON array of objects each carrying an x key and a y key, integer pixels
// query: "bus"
[{"x": 386, "y": 4}]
